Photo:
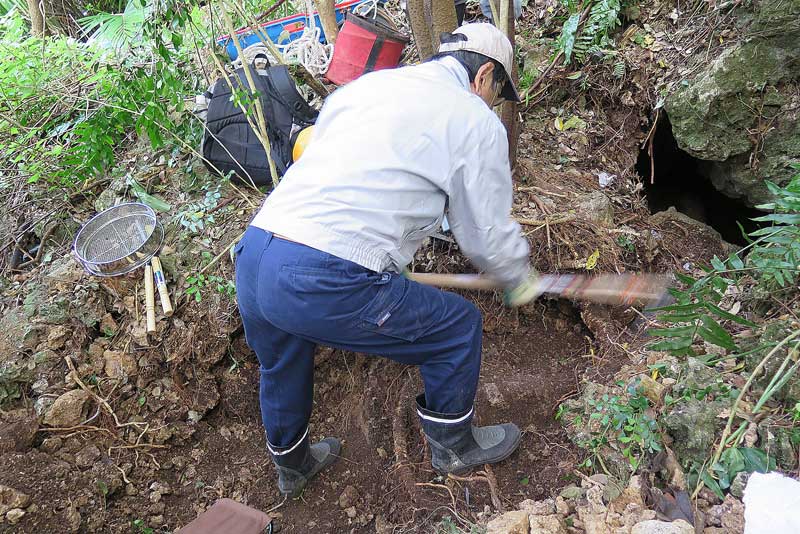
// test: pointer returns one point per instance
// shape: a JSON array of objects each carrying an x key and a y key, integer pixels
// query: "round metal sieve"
[{"x": 118, "y": 240}]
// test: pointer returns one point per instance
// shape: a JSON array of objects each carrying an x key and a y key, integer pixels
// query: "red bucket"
[{"x": 363, "y": 46}]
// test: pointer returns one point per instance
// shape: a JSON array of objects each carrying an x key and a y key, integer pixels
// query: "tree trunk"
[
  {"x": 37, "y": 18},
  {"x": 443, "y": 18},
  {"x": 420, "y": 28},
  {"x": 327, "y": 16},
  {"x": 509, "y": 110}
]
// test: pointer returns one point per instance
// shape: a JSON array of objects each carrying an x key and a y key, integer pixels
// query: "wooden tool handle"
[
  {"x": 161, "y": 284},
  {"x": 605, "y": 289},
  {"x": 149, "y": 299},
  {"x": 455, "y": 281}
]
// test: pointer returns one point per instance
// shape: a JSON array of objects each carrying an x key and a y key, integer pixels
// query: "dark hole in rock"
[{"x": 679, "y": 182}]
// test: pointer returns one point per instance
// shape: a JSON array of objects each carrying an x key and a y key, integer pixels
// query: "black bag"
[{"x": 229, "y": 143}]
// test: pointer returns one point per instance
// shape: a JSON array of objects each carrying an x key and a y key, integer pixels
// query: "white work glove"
[{"x": 523, "y": 293}]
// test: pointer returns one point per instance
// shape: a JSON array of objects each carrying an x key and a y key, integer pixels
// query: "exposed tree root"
[{"x": 399, "y": 424}]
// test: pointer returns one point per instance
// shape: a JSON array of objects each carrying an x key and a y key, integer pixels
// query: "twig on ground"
[{"x": 546, "y": 221}]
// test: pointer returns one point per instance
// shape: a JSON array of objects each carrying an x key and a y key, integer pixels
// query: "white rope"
[
  {"x": 250, "y": 54},
  {"x": 307, "y": 49}
]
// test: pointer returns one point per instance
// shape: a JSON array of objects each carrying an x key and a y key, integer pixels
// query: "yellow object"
[
  {"x": 301, "y": 142},
  {"x": 591, "y": 261}
]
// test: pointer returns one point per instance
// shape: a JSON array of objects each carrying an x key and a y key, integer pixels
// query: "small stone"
[
  {"x": 119, "y": 364},
  {"x": 73, "y": 519},
  {"x": 11, "y": 498},
  {"x": 57, "y": 337},
  {"x": 154, "y": 497},
  {"x": 510, "y": 523},
  {"x": 596, "y": 207},
  {"x": 572, "y": 492},
  {"x": 39, "y": 386},
  {"x": 546, "y": 507},
  {"x": 709, "y": 496},
  {"x": 562, "y": 508},
  {"x": 493, "y": 394},
  {"x": 87, "y": 456},
  {"x": 612, "y": 490},
  {"x": 68, "y": 410},
  {"x": 348, "y": 497},
  {"x": 738, "y": 484},
  {"x": 157, "y": 508},
  {"x": 653, "y": 526},
  {"x": 351, "y": 512},
  {"x": 382, "y": 453},
  {"x": 130, "y": 489},
  {"x": 547, "y": 524},
  {"x": 600, "y": 478},
  {"x": 18, "y": 430},
  {"x": 668, "y": 382},
  {"x": 157, "y": 520},
  {"x": 14, "y": 515},
  {"x": 108, "y": 326}
]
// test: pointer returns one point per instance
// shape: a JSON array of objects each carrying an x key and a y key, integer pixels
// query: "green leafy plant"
[
  {"x": 594, "y": 35},
  {"x": 196, "y": 216},
  {"x": 140, "y": 528},
  {"x": 733, "y": 461},
  {"x": 197, "y": 282},
  {"x": 622, "y": 422},
  {"x": 626, "y": 242},
  {"x": 773, "y": 261}
]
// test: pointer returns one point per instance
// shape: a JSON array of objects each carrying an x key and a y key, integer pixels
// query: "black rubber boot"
[
  {"x": 300, "y": 463},
  {"x": 457, "y": 446}
]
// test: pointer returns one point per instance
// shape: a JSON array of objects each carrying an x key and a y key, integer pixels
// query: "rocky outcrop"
[{"x": 741, "y": 112}]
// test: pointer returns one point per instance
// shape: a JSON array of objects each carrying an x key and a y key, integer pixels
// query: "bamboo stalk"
[
  {"x": 161, "y": 284},
  {"x": 261, "y": 131},
  {"x": 149, "y": 299}
]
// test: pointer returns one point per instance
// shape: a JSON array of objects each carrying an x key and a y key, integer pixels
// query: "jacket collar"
[{"x": 455, "y": 69}]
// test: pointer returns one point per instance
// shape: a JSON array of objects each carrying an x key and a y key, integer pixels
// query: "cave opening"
[{"x": 677, "y": 181}]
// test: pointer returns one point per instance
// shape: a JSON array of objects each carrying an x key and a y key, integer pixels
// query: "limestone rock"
[
  {"x": 654, "y": 526},
  {"x": 509, "y": 523},
  {"x": 57, "y": 337},
  {"x": 547, "y": 524},
  {"x": 545, "y": 507},
  {"x": 73, "y": 519},
  {"x": 11, "y": 498},
  {"x": 572, "y": 492},
  {"x": 597, "y": 207},
  {"x": 14, "y": 515},
  {"x": 692, "y": 424},
  {"x": 119, "y": 364},
  {"x": 348, "y": 498},
  {"x": 713, "y": 117},
  {"x": 87, "y": 456},
  {"x": 493, "y": 394},
  {"x": 594, "y": 514},
  {"x": 18, "y": 430},
  {"x": 68, "y": 410},
  {"x": 732, "y": 515}
]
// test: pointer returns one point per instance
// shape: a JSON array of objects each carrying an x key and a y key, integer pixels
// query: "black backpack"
[{"x": 229, "y": 143}]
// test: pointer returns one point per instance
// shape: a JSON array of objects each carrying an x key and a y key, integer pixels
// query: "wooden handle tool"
[
  {"x": 161, "y": 284},
  {"x": 625, "y": 289},
  {"x": 149, "y": 299}
]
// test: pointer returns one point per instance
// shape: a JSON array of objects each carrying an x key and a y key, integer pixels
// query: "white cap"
[{"x": 486, "y": 39}]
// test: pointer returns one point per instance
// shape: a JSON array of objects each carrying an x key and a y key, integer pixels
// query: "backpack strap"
[{"x": 287, "y": 92}]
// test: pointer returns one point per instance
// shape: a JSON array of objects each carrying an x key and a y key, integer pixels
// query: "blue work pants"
[{"x": 293, "y": 297}]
